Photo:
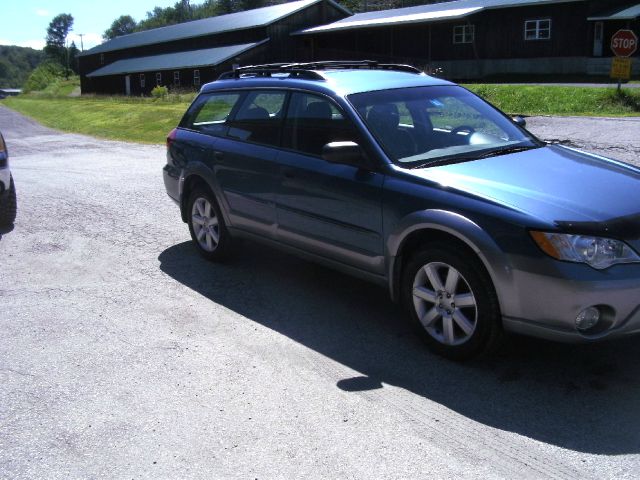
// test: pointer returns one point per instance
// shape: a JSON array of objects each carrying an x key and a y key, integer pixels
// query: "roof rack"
[
  {"x": 308, "y": 70},
  {"x": 269, "y": 69}
]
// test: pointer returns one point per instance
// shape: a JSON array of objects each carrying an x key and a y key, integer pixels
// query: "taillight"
[{"x": 171, "y": 137}]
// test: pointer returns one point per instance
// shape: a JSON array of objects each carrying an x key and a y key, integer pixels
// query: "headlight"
[{"x": 597, "y": 252}]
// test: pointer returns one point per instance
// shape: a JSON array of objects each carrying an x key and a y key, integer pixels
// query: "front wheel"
[
  {"x": 206, "y": 225},
  {"x": 452, "y": 302}
]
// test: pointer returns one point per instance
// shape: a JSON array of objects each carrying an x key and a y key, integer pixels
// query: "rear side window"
[
  {"x": 312, "y": 122},
  {"x": 210, "y": 112},
  {"x": 259, "y": 117}
]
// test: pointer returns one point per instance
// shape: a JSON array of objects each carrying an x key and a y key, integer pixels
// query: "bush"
[
  {"x": 159, "y": 92},
  {"x": 626, "y": 99},
  {"x": 43, "y": 76}
]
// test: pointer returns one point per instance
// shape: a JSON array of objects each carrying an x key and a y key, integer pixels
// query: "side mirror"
[
  {"x": 349, "y": 153},
  {"x": 518, "y": 120}
]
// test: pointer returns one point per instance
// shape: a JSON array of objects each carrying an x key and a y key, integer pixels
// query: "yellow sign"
[{"x": 621, "y": 68}]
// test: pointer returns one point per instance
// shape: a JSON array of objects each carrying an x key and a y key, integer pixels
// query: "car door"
[
  {"x": 202, "y": 127},
  {"x": 329, "y": 209},
  {"x": 245, "y": 163}
]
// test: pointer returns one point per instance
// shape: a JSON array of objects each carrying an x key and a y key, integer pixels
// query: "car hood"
[{"x": 573, "y": 190}]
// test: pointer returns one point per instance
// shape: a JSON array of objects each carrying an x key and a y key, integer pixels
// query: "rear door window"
[
  {"x": 210, "y": 113},
  {"x": 258, "y": 118}
]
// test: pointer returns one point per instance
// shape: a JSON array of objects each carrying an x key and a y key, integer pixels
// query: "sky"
[{"x": 25, "y": 22}]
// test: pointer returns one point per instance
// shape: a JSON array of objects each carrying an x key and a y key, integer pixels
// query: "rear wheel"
[
  {"x": 452, "y": 302},
  {"x": 206, "y": 225},
  {"x": 8, "y": 206}
]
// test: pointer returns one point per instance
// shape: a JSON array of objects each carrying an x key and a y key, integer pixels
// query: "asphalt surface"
[
  {"x": 124, "y": 355},
  {"x": 617, "y": 138}
]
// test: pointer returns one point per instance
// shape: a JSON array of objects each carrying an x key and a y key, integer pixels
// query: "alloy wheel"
[
  {"x": 444, "y": 303},
  {"x": 205, "y": 224}
]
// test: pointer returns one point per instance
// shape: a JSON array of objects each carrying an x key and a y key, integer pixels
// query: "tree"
[
  {"x": 73, "y": 52},
  {"x": 123, "y": 25},
  {"x": 57, "y": 32},
  {"x": 44, "y": 75},
  {"x": 16, "y": 63},
  {"x": 182, "y": 11},
  {"x": 158, "y": 17},
  {"x": 226, "y": 6},
  {"x": 209, "y": 8},
  {"x": 251, "y": 4}
]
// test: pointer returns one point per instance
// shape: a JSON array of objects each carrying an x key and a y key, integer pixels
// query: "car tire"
[
  {"x": 452, "y": 302},
  {"x": 206, "y": 225},
  {"x": 8, "y": 206}
]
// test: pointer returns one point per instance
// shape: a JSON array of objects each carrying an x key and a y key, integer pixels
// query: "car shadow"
[{"x": 578, "y": 397}]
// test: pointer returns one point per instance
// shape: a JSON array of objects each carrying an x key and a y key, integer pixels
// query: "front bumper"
[{"x": 545, "y": 296}]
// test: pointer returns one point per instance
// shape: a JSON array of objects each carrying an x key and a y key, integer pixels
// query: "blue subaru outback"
[{"x": 414, "y": 183}]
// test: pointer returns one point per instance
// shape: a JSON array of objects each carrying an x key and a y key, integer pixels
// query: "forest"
[{"x": 16, "y": 63}]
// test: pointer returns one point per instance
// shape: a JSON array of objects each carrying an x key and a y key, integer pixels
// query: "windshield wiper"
[
  {"x": 506, "y": 151},
  {"x": 443, "y": 161},
  {"x": 466, "y": 158}
]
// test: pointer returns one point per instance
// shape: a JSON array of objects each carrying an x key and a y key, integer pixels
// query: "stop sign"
[{"x": 624, "y": 43}]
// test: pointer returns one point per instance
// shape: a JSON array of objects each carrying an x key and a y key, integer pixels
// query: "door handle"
[{"x": 219, "y": 156}]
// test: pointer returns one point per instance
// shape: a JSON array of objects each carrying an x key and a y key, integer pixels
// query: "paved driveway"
[
  {"x": 613, "y": 137},
  {"x": 123, "y": 355}
]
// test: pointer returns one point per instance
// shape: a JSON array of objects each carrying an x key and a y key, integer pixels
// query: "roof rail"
[
  {"x": 268, "y": 69},
  {"x": 308, "y": 70},
  {"x": 357, "y": 64}
]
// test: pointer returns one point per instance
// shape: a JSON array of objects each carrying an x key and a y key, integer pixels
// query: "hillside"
[{"x": 16, "y": 63}]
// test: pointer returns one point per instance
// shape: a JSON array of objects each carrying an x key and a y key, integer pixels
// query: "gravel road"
[{"x": 123, "y": 355}]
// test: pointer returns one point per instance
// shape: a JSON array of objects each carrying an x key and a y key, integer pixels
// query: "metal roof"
[
  {"x": 171, "y": 61},
  {"x": 258, "y": 17},
  {"x": 424, "y": 13},
  {"x": 629, "y": 13}
]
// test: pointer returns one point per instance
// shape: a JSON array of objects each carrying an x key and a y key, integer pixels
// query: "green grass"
[
  {"x": 554, "y": 100},
  {"x": 546, "y": 78},
  {"x": 147, "y": 120},
  {"x": 140, "y": 120},
  {"x": 62, "y": 87}
]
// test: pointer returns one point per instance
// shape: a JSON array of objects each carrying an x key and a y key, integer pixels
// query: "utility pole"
[
  {"x": 66, "y": 72},
  {"x": 81, "y": 45}
]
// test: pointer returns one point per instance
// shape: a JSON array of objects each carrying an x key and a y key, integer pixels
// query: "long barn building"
[
  {"x": 189, "y": 54},
  {"x": 467, "y": 39},
  {"x": 477, "y": 38}
]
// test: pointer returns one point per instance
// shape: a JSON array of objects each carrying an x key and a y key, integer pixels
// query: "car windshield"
[{"x": 423, "y": 126}]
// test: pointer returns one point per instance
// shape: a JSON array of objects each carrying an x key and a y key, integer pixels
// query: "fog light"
[{"x": 587, "y": 318}]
